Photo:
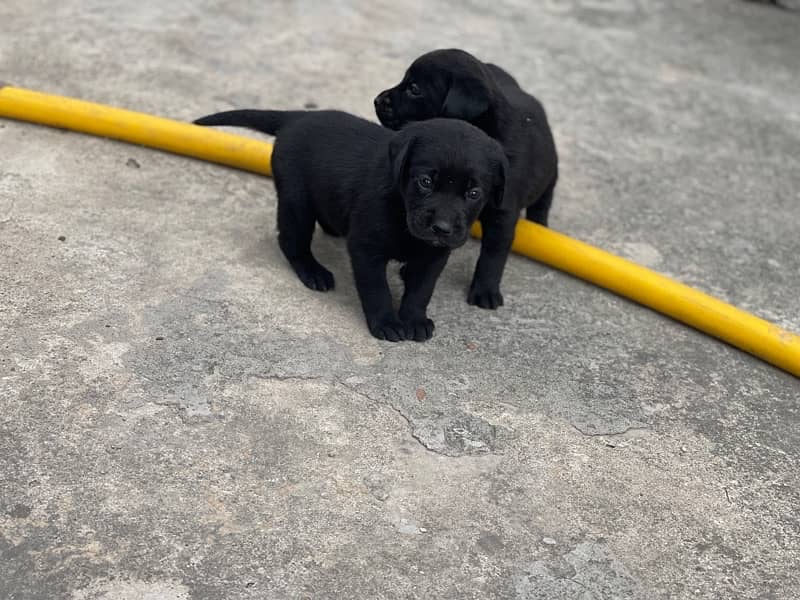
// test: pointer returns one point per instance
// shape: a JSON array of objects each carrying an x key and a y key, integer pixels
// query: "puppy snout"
[
  {"x": 442, "y": 228},
  {"x": 382, "y": 101}
]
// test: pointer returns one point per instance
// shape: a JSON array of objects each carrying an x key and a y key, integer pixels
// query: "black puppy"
[
  {"x": 455, "y": 84},
  {"x": 410, "y": 196}
]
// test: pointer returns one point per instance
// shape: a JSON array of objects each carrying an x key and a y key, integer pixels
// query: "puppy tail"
[{"x": 266, "y": 121}]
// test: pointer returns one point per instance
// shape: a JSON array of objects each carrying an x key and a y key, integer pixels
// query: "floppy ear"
[
  {"x": 467, "y": 99},
  {"x": 399, "y": 151},
  {"x": 500, "y": 169}
]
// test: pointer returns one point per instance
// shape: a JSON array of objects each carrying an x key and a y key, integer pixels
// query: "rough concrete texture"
[{"x": 181, "y": 419}]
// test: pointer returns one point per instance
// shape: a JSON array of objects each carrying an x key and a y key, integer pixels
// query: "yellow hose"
[
  {"x": 138, "y": 128},
  {"x": 714, "y": 317},
  {"x": 701, "y": 311}
]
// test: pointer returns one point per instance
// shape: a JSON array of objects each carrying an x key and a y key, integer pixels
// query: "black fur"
[
  {"x": 455, "y": 84},
  {"x": 409, "y": 196}
]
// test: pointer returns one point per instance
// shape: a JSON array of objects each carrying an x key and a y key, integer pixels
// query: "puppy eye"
[
  {"x": 414, "y": 90},
  {"x": 425, "y": 182},
  {"x": 474, "y": 194}
]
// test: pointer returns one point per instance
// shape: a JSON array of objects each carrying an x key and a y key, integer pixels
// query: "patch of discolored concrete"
[
  {"x": 585, "y": 572},
  {"x": 133, "y": 590}
]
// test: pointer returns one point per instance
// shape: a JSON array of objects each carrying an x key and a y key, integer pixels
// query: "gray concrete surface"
[{"x": 181, "y": 419}]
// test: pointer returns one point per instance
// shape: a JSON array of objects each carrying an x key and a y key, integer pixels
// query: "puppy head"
[
  {"x": 446, "y": 171},
  {"x": 442, "y": 83}
]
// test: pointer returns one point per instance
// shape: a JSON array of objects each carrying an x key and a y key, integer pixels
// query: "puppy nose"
[
  {"x": 382, "y": 99},
  {"x": 442, "y": 228}
]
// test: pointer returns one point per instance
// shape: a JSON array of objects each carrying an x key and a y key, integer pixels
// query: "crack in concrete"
[
  {"x": 582, "y": 586},
  {"x": 633, "y": 429},
  {"x": 399, "y": 412},
  {"x": 284, "y": 377},
  {"x": 412, "y": 433}
]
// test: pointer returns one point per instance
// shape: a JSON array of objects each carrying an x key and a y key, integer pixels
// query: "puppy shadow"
[
  {"x": 331, "y": 252},
  {"x": 457, "y": 274}
]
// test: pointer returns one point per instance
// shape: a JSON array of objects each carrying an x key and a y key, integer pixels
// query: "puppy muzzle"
[
  {"x": 438, "y": 233},
  {"x": 384, "y": 110}
]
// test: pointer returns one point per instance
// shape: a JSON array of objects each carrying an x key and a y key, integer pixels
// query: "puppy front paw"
[
  {"x": 418, "y": 328},
  {"x": 388, "y": 328},
  {"x": 485, "y": 297}
]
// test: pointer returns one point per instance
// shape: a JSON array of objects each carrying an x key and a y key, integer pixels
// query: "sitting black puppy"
[
  {"x": 455, "y": 84},
  {"x": 410, "y": 196}
]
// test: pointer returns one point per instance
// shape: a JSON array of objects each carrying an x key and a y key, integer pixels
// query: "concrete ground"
[{"x": 181, "y": 419}]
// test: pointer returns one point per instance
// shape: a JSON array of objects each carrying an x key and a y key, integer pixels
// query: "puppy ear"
[
  {"x": 467, "y": 99},
  {"x": 399, "y": 151},
  {"x": 500, "y": 169}
]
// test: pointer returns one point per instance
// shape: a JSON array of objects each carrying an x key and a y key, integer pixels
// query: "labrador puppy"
[
  {"x": 456, "y": 85},
  {"x": 409, "y": 196}
]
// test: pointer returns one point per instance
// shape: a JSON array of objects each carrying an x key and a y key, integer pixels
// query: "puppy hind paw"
[
  {"x": 390, "y": 329},
  {"x": 541, "y": 219},
  {"x": 315, "y": 277},
  {"x": 483, "y": 298},
  {"x": 537, "y": 215},
  {"x": 419, "y": 329}
]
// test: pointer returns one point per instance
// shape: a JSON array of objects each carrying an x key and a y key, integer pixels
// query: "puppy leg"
[
  {"x": 498, "y": 233},
  {"x": 369, "y": 271},
  {"x": 420, "y": 276},
  {"x": 329, "y": 231},
  {"x": 295, "y": 228},
  {"x": 539, "y": 210}
]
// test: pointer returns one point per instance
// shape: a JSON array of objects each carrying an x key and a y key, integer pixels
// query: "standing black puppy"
[
  {"x": 410, "y": 196},
  {"x": 455, "y": 84}
]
